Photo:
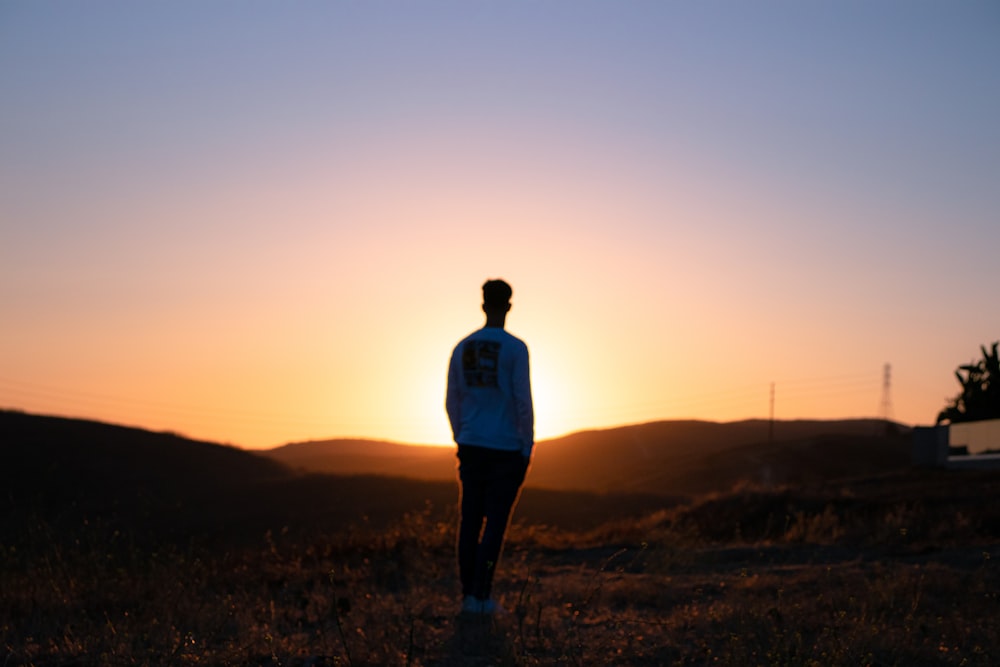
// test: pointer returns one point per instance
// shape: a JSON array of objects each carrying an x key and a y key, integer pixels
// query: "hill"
[
  {"x": 64, "y": 469},
  {"x": 668, "y": 457},
  {"x": 62, "y": 473},
  {"x": 347, "y": 456},
  {"x": 64, "y": 452}
]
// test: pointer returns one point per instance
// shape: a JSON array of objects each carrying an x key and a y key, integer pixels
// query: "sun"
[{"x": 555, "y": 394}]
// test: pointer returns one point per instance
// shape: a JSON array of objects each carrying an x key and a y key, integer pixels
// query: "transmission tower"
[
  {"x": 770, "y": 423},
  {"x": 885, "y": 407}
]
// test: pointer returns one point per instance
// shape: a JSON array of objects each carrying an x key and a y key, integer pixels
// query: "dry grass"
[{"x": 745, "y": 578}]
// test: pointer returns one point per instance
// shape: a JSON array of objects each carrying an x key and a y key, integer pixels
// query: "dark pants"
[{"x": 491, "y": 481}]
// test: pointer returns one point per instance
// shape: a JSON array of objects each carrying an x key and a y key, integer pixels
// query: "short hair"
[{"x": 496, "y": 293}]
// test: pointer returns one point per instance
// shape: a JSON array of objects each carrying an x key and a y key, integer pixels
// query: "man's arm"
[
  {"x": 521, "y": 384},
  {"x": 453, "y": 395}
]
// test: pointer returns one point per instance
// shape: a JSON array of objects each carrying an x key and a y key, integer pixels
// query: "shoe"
[
  {"x": 492, "y": 608},
  {"x": 472, "y": 605}
]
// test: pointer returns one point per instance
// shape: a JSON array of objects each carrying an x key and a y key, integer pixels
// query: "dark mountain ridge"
[
  {"x": 352, "y": 456},
  {"x": 58, "y": 473},
  {"x": 666, "y": 457},
  {"x": 63, "y": 471},
  {"x": 62, "y": 451}
]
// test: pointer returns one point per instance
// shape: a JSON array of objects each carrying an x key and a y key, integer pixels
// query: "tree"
[{"x": 980, "y": 395}]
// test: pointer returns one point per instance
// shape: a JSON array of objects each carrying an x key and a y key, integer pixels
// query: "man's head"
[
  {"x": 496, "y": 301},
  {"x": 496, "y": 294}
]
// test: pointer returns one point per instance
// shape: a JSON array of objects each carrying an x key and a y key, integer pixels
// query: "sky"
[{"x": 259, "y": 222}]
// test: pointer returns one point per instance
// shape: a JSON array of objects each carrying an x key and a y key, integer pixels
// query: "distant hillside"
[
  {"x": 669, "y": 457},
  {"x": 366, "y": 457},
  {"x": 65, "y": 471},
  {"x": 58, "y": 474},
  {"x": 691, "y": 457},
  {"x": 57, "y": 466}
]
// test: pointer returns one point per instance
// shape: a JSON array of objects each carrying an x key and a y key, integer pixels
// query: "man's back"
[{"x": 489, "y": 392}]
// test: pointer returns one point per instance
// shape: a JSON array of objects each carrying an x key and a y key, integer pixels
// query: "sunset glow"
[{"x": 257, "y": 224}]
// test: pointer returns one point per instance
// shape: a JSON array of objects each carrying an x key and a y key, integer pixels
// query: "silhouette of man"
[{"x": 492, "y": 420}]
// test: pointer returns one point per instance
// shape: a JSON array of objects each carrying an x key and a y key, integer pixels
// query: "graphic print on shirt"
[{"x": 481, "y": 363}]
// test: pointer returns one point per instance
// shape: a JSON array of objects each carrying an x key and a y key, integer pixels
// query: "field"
[
  {"x": 862, "y": 573},
  {"x": 124, "y": 547}
]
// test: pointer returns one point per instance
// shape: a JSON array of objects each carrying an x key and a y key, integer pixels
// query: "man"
[{"x": 492, "y": 421}]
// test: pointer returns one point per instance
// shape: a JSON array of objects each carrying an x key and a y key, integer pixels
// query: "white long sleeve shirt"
[{"x": 489, "y": 392}]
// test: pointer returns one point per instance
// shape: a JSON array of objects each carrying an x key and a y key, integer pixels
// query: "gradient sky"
[{"x": 258, "y": 222}]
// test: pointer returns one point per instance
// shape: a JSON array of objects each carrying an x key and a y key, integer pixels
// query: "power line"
[
  {"x": 16, "y": 394},
  {"x": 754, "y": 396},
  {"x": 727, "y": 399}
]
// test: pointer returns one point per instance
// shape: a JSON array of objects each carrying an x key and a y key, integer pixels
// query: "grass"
[{"x": 864, "y": 574}]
